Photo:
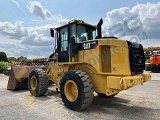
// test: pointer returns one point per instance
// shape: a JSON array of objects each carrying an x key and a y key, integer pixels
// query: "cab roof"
[{"x": 77, "y": 22}]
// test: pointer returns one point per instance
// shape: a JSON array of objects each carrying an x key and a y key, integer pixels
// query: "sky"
[{"x": 25, "y": 24}]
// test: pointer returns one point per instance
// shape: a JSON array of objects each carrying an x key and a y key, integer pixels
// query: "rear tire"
[
  {"x": 76, "y": 90},
  {"x": 38, "y": 82}
]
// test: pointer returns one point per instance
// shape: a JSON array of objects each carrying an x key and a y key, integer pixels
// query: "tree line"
[{"x": 4, "y": 58}]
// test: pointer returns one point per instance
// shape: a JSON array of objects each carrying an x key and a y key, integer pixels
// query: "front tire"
[
  {"x": 76, "y": 90},
  {"x": 38, "y": 82}
]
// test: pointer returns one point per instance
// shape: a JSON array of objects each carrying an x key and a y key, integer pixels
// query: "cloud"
[
  {"x": 39, "y": 36},
  {"x": 139, "y": 23},
  {"x": 127, "y": 21},
  {"x": 33, "y": 36},
  {"x": 16, "y": 49},
  {"x": 31, "y": 41},
  {"x": 13, "y": 31},
  {"x": 148, "y": 13},
  {"x": 37, "y": 9},
  {"x": 18, "y": 39},
  {"x": 60, "y": 20}
]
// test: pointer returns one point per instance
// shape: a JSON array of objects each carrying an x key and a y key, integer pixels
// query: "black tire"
[
  {"x": 41, "y": 82},
  {"x": 63, "y": 57},
  {"x": 104, "y": 95},
  {"x": 85, "y": 90},
  {"x": 155, "y": 69}
]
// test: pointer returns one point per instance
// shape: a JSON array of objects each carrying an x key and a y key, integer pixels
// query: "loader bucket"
[{"x": 18, "y": 78}]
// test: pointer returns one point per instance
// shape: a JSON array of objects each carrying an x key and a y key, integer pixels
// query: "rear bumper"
[{"x": 122, "y": 83}]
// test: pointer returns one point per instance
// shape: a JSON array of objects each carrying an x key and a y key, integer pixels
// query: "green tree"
[
  {"x": 11, "y": 59},
  {"x": 3, "y": 66},
  {"x": 3, "y": 57}
]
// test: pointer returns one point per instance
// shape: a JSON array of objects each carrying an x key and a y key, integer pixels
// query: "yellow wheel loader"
[{"x": 83, "y": 62}]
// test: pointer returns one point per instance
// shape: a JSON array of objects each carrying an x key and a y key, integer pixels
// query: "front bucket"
[{"x": 18, "y": 78}]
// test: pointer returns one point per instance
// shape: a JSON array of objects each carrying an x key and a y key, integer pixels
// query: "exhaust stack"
[{"x": 99, "y": 28}]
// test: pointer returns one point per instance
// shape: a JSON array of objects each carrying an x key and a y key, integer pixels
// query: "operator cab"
[
  {"x": 77, "y": 29},
  {"x": 70, "y": 37}
]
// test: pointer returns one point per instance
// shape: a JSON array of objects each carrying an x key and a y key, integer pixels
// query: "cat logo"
[{"x": 86, "y": 45}]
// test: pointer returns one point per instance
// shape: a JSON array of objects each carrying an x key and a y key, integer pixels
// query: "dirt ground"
[{"x": 137, "y": 103}]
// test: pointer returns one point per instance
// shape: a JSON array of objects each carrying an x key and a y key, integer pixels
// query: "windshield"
[{"x": 85, "y": 33}]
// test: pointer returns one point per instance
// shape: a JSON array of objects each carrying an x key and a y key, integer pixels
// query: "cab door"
[{"x": 64, "y": 39}]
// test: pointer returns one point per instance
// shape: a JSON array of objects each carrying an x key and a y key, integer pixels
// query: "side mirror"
[{"x": 52, "y": 32}]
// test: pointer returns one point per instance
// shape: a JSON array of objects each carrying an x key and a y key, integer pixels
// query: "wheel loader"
[
  {"x": 84, "y": 62},
  {"x": 153, "y": 64}
]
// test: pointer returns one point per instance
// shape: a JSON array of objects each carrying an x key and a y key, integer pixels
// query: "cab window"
[
  {"x": 64, "y": 39},
  {"x": 85, "y": 33}
]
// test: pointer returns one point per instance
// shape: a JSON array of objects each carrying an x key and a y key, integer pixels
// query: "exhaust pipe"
[{"x": 99, "y": 28}]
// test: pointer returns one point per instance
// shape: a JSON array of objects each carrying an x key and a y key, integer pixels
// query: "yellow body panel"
[
  {"x": 107, "y": 65},
  {"x": 119, "y": 56}
]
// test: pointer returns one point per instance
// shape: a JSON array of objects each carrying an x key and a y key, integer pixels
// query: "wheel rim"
[
  {"x": 71, "y": 90},
  {"x": 33, "y": 82}
]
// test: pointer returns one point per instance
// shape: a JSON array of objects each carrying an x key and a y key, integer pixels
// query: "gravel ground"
[{"x": 137, "y": 103}]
